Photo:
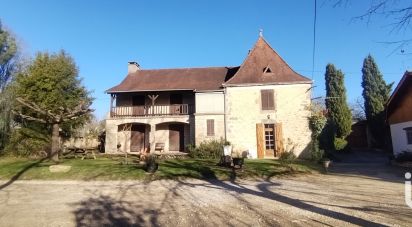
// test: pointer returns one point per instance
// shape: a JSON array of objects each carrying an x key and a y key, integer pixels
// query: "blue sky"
[{"x": 102, "y": 36}]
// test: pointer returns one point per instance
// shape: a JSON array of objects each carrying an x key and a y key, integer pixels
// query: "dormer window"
[{"x": 267, "y": 70}]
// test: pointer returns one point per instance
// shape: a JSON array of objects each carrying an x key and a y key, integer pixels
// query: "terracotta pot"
[
  {"x": 151, "y": 167},
  {"x": 238, "y": 161}
]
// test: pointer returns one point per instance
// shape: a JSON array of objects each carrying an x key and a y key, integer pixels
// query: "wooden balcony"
[{"x": 156, "y": 110}]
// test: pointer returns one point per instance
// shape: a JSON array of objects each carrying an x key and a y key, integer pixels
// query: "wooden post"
[
  {"x": 112, "y": 98},
  {"x": 153, "y": 98}
]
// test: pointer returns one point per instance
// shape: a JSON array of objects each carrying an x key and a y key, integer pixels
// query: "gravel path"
[{"x": 350, "y": 195}]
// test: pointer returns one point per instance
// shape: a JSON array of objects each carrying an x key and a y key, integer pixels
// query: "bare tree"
[
  {"x": 397, "y": 13},
  {"x": 53, "y": 119},
  {"x": 358, "y": 110}
]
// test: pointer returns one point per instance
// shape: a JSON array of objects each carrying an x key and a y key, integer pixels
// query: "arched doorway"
[
  {"x": 174, "y": 135},
  {"x": 133, "y": 137}
]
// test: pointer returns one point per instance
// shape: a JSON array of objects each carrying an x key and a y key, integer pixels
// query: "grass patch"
[{"x": 105, "y": 168}]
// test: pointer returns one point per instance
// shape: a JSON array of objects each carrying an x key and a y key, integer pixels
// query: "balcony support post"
[
  {"x": 152, "y": 138},
  {"x": 112, "y": 98}
]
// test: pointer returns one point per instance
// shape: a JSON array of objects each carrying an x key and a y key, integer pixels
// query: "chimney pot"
[{"x": 132, "y": 67}]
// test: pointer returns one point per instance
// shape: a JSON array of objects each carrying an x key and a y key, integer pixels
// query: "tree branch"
[
  {"x": 29, "y": 118},
  {"x": 32, "y": 106}
]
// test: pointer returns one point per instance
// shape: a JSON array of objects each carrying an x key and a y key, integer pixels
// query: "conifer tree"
[
  {"x": 339, "y": 115},
  {"x": 375, "y": 94},
  {"x": 50, "y": 93}
]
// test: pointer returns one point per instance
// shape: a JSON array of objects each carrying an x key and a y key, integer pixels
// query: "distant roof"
[
  {"x": 401, "y": 89},
  {"x": 200, "y": 79},
  {"x": 262, "y": 66}
]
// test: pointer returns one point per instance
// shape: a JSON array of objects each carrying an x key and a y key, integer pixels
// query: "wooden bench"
[{"x": 160, "y": 147}]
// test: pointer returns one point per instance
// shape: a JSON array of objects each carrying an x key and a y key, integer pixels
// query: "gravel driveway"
[{"x": 352, "y": 194}]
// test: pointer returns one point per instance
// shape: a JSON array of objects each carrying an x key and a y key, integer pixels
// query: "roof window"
[{"x": 267, "y": 70}]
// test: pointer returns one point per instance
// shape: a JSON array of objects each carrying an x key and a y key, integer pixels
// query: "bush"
[
  {"x": 317, "y": 123},
  {"x": 404, "y": 157},
  {"x": 316, "y": 153},
  {"x": 287, "y": 157},
  {"x": 208, "y": 149},
  {"x": 27, "y": 142},
  {"x": 340, "y": 144}
]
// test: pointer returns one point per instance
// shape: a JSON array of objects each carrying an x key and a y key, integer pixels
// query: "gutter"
[
  {"x": 224, "y": 113},
  {"x": 131, "y": 91},
  {"x": 264, "y": 84}
]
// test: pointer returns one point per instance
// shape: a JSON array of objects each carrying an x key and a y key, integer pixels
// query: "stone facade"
[
  {"x": 230, "y": 96},
  {"x": 243, "y": 112},
  {"x": 201, "y": 127},
  {"x": 209, "y": 106}
]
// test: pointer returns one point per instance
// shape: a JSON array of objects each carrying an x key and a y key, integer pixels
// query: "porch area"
[{"x": 143, "y": 136}]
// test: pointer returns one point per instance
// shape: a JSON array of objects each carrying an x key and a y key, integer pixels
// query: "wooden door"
[
  {"x": 137, "y": 138},
  {"x": 176, "y": 142},
  {"x": 138, "y": 102},
  {"x": 175, "y": 103}
]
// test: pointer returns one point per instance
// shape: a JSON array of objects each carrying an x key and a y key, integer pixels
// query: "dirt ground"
[{"x": 367, "y": 194}]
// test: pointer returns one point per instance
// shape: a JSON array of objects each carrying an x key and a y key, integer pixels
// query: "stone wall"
[
  {"x": 209, "y": 105},
  {"x": 243, "y": 109},
  {"x": 201, "y": 127}
]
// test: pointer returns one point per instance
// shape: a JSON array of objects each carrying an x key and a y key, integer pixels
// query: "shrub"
[
  {"x": 340, "y": 144},
  {"x": 316, "y": 153},
  {"x": 317, "y": 123},
  {"x": 27, "y": 142},
  {"x": 287, "y": 157},
  {"x": 207, "y": 149}
]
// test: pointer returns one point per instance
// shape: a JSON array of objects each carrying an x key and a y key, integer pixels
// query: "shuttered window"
[
  {"x": 210, "y": 127},
  {"x": 268, "y": 99}
]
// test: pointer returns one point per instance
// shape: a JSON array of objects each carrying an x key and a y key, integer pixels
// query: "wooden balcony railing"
[{"x": 156, "y": 110}]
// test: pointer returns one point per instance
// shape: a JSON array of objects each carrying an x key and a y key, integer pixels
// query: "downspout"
[{"x": 224, "y": 112}]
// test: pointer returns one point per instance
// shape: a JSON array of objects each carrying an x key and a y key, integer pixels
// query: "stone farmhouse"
[{"x": 261, "y": 107}]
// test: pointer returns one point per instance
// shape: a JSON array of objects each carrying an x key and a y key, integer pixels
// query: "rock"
[{"x": 59, "y": 168}]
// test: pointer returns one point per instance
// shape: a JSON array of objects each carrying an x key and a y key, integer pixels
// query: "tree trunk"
[{"x": 55, "y": 147}]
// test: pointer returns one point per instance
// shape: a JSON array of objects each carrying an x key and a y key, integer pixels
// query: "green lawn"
[{"x": 105, "y": 168}]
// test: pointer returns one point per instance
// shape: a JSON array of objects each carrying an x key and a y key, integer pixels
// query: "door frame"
[
  {"x": 180, "y": 128},
  {"x": 138, "y": 128}
]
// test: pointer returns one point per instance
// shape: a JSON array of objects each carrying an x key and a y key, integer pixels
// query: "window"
[
  {"x": 269, "y": 137},
  {"x": 408, "y": 135},
  {"x": 267, "y": 97},
  {"x": 267, "y": 70},
  {"x": 210, "y": 127}
]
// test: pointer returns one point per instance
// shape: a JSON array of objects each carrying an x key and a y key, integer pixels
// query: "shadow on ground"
[
  {"x": 20, "y": 173},
  {"x": 107, "y": 211},
  {"x": 368, "y": 164}
]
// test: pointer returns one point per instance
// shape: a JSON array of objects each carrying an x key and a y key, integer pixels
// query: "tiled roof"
[
  {"x": 200, "y": 79},
  {"x": 262, "y": 66}
]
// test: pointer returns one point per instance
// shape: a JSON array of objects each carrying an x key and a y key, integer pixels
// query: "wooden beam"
[{"x": 153, "y": 98}]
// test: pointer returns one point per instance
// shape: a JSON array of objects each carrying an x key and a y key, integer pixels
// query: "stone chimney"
[{"x": 132, "y": 67}]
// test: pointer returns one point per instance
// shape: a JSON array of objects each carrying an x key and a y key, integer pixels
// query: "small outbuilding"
[{"x": 399, "y": 115}]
